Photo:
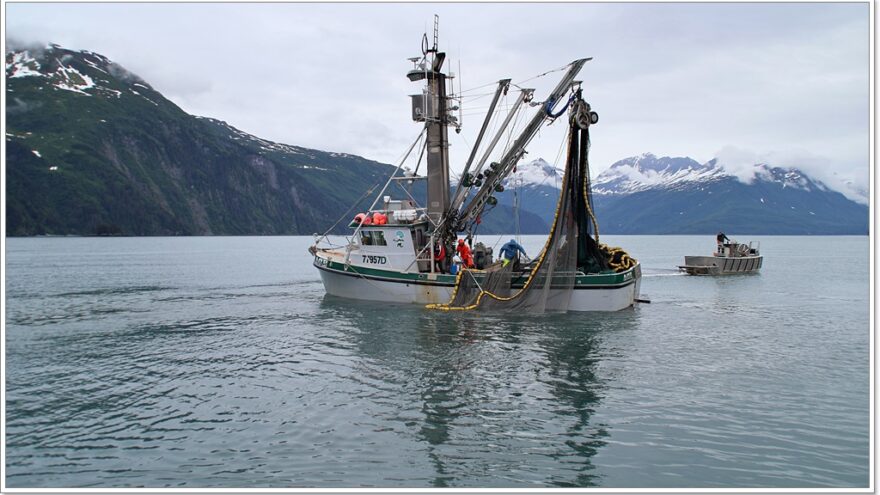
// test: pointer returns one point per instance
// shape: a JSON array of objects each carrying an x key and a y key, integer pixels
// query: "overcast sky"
[{"x": 786, "y": 83}]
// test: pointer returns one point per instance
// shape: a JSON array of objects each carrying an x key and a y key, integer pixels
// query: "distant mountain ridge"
[
  {"x": 647, "y": 171},
  {"x": 647, "y": 194},
  {"x": 94, "y": 149}
]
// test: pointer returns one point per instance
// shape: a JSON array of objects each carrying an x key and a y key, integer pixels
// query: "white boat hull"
[
  {"x": 584, "y": 297},
  {"x": 369, "y": 289},
  {"x": 721, "y": 265}
]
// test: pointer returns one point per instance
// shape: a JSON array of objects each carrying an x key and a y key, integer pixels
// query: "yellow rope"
[
  {"x": 447, "y": 307},
  {"x": 618, "y": 259}
]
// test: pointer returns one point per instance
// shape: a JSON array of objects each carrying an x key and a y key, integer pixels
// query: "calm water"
[{"x": 207, "y": 362}]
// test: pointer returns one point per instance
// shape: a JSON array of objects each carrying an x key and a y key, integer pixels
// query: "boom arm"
[
  {"x": 459, "y": 191},
  {"x": 513, "y": 155}
]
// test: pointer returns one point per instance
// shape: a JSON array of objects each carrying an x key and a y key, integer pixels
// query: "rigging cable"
[
  {"x": 517, "y": 85},
  {"x": 348, "y": 211},
  {"x": 421, "y": 154},
  {"x": 479, "y": 87},
  {"x": 402, "y": 161},
  {"x": 544, "y": 74},
  {"x": 370, "y": 190}
]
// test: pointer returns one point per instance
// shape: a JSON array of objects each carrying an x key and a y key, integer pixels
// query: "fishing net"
[{"x": 546, "y": 284}]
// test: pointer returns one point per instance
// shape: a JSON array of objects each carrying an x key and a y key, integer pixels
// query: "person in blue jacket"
[{"x": 508, "y": 253}]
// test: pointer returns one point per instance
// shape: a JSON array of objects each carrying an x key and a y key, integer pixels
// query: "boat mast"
[{"x": 431, "y": 107}]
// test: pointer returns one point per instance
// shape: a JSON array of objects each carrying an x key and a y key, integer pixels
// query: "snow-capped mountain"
[
  {"x": 662, "y": 195},
  {"x": 83, "y": 72},
  {"x": 534, "y": 187},
  {"x": 93, "y": 149},
  {"x": 535, "y": 173},
  {"x": 647, "y": 194},
  {"x": 646, "y": 171}
]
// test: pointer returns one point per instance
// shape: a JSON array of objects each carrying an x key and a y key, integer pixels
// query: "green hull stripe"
[{"x": 582, "y": 281}]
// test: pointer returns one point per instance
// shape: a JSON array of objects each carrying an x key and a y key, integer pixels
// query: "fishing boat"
[
  {"x": 732, "y": 257},
  {"x": 400, "y": 251}
]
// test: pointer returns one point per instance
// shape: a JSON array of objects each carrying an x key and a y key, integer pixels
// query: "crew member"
[
  {"x": 465, "y": 253},
  {"x": 509, "y": 252},
  {"x": 439, "y": 256},
  {"x": 720, "y": 238}
]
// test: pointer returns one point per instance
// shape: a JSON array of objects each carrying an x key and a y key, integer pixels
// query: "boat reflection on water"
[{"x": 486, "y": 400}]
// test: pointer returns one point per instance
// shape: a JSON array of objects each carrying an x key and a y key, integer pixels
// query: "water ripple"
[{"x": 195, "y": 365}]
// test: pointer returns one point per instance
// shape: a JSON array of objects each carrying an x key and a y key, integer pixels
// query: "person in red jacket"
[
  {"x": 465, "y": 253},
  {"x": 439, "y": 257}
]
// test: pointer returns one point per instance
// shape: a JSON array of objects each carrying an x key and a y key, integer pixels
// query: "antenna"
[
  {"x": 436, "y": 31},
  {"x": 460, "y": 102}
]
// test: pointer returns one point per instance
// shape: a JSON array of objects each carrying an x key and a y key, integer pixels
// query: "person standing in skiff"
[{"x": 720, "y": 238}]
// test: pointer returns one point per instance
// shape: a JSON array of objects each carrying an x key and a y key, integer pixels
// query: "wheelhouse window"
[
  {"x": 378, "y": 238},
  {"x": 373, "y": 238}
]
